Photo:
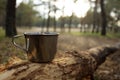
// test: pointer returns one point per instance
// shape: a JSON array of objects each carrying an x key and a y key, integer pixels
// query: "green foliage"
[
  {"x": 26, "y": 15},
  {"x": 75, "y": 20},
  {"x": 2, "y": 11},
  {"x": 2, "y": 5},
  {"x": 113, "y": 6},
  {"x": 88, "y": 19}
]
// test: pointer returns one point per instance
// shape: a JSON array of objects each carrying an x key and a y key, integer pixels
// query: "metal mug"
[{"x": 40, "y": 47}]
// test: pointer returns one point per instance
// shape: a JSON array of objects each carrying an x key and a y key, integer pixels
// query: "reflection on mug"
[{"x": 40, "y": 47}]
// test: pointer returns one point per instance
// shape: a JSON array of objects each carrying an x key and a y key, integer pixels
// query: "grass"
[
  {"x": 109, "y": 35},
  {"x": 2, "y": 33},
  {"x": 114, "y": 35},
  {"x": 7, "y": 49}
]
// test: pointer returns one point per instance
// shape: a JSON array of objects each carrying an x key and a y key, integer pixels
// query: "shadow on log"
[{"x": 71, "y": 65}]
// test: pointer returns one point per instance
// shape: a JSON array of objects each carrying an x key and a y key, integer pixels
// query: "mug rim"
[{"x": 41, "y": 33}]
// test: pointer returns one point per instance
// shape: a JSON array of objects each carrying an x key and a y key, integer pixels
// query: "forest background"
[{"x": 102, "y": 16}]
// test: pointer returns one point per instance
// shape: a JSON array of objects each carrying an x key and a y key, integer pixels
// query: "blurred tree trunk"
[
  {"x": 94, "y": 16},
  {"x": 54, "y": 24},
  {"x": 48, "y": 20},
  {"x": 44, "y": 20},
  {"x": 63, "y": 20},
  {"x": 55, "y": 19},
  {"x": 62, "y": 25},
  {"x": 81, "y": 28},
  {"x": 54, "y": 9},
  {"x": 43, "y": 25},
  {"x": 10, "y": 18},
  {"x": 103, "y": 16},
  {"x": 71, "y": 18},
  {"x": 70, "y": 22},
  {"x": 97, "y": 21},
  {"x": 2, "y": 13}
]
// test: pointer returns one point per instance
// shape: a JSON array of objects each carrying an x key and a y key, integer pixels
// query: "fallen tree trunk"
[{"x": 71, "y": 65}]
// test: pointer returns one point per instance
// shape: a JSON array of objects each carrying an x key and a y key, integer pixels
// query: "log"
[{"x": 71, "y": 65}]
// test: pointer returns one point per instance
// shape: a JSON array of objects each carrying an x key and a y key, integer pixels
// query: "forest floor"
[{"x": 109, "y": 70}]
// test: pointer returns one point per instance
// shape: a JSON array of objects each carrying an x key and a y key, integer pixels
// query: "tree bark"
[
  {"x": 54, "y": 21},
  {"x": 48, "y": 20},
  {"x": 94, "y": 16},
  {"x": 11, "y": 18},
  {"x": 55, "y": 9},
  {"x": 103, "y": 16},
  {"x": 71, "y": 65},
  {"x": 63, "y": 20}
]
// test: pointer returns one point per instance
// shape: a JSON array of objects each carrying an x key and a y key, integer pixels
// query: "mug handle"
[{"x": 27, "y": 43}]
